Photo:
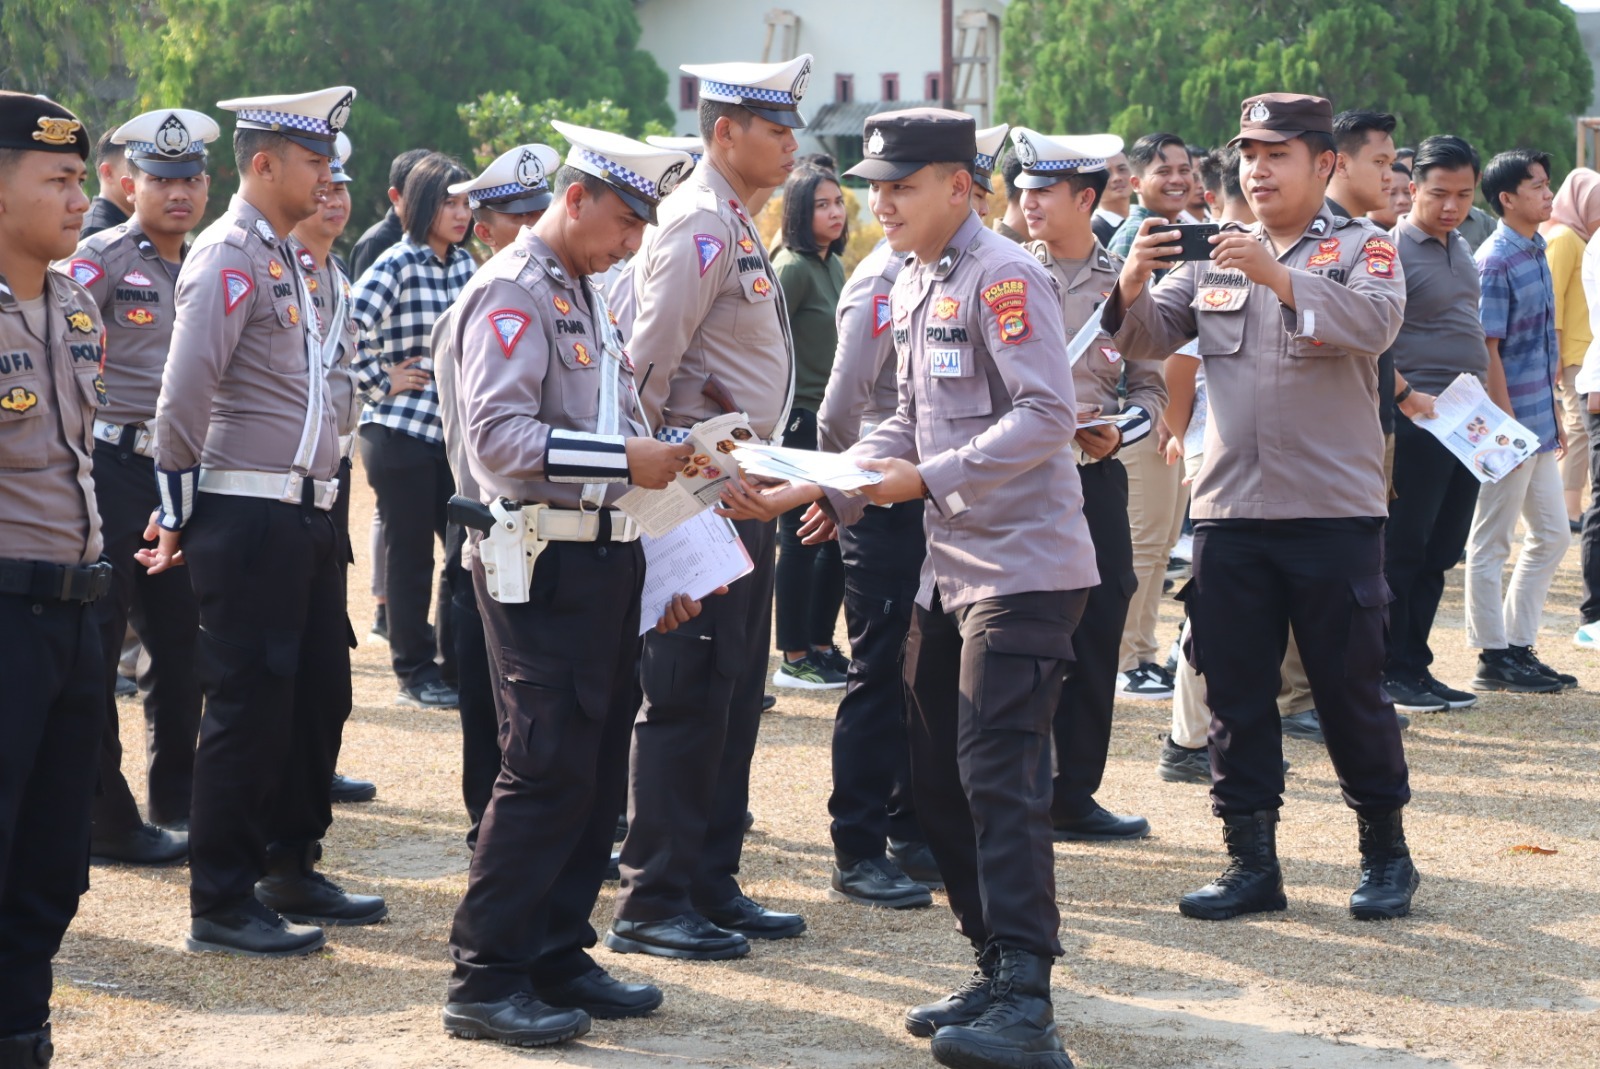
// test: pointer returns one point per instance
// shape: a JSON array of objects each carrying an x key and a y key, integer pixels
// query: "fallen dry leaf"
[{"x": 1529, "y": 848}]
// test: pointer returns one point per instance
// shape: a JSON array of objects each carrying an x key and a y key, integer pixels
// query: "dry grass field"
[{"x": 1498, "y": 966}]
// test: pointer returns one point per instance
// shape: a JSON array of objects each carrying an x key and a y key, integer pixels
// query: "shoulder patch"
[
  {"x": 1380, "y": 254},
  {"x": 881, "y": 314},
  {"x": 236, "y": 286},
  {"x": 264, "y": 230},
  {"x": 1008, "y": 299},
  {"x": 708, "y": 248},
  {"x": 85, "y": 272},
  {"x": 509, "y": 326}
]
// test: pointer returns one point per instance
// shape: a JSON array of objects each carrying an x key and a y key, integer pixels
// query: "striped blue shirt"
[{"x": 1517, "y": 305}]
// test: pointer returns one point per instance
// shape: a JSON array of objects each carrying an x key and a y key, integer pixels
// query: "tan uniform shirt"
[
  {"x": 1293, "y": 429},
  {"x": 236, "y": 388},
  {"x": 133, "y": 287},
  {"x": 1098, "y": 374},
  {"x": 709, "y": 303},
  {"x": 527, "y": 348},
  {"x": 330, "y": 296},
  {"x": 861, "y": 386},
  {"x": 987, "y": 411},
  {"x": 50, "y": 392}
]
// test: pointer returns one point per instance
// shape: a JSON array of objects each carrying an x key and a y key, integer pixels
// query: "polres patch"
[
  {"x": 1008, "y": 299},
  {"x": 708, "y": 248},
  {"x": 509, "y": 326}
]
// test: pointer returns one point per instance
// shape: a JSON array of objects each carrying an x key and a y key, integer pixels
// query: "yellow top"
[{"x": 1565, "y": 254}]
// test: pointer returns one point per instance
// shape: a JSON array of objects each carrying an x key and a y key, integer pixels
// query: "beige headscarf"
[{"x": 1577, "y": 204}]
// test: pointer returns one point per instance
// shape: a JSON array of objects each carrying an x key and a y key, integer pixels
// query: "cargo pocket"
[
  {"x": 1368, "y": 635},
  {"x": 540, "y": 698},
  {"x": 1187, "y": 595},
  {"x": 23, "y": 439},
  {"x": 679, "y": 669},
  {"x": 1024, "y": 665}
]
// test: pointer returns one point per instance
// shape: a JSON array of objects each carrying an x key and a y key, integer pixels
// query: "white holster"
[{"x": 509, "y": 550}]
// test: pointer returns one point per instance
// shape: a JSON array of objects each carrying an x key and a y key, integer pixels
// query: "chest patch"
[
  {"x": 946, "y": 308},
  {"x": 944, "y": 363},
  {"x": 137, "y": 278},
  {"x": 580, "y": 352},
  {"x": 19, "y": 400},
  {"x": 139, "y": 317},
  {"x": 1327, "y": 253},
  {"x": 761, "y": 287},
  {"x": 1223, "y": 291}
]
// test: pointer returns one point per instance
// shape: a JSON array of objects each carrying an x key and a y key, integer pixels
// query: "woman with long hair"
[
  {"x": 395, "y": 304},
  {"x": 809, "y": 585}
]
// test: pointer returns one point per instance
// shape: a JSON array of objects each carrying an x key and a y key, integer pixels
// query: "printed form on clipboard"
[{"x": 694, "y": 558}]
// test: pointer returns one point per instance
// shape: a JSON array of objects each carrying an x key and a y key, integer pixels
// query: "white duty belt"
[{"x": 144, "y": 439}]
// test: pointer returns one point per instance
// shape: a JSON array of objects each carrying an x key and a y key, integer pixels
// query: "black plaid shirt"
[{"x": 395, "y": 305}]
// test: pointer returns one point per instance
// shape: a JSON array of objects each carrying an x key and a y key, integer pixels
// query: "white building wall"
[{"x": 863, "y": 38}]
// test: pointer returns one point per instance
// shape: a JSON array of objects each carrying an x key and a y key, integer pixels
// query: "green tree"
[
  {"x": 496, "y": 122},
  {"x": 1501, "y": 73},
  {"x": 411, "y": 61},
  {"x": 71, "y": 52}
]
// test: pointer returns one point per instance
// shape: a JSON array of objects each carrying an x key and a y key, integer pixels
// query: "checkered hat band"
[
  {"x": 744, "y": 94},
  {"x": 984, "y": 163},
  {"x": 196, "y": 148},
  {"x": 513, "y": 189},
  {"x": 616, "y": 170},
  {"x": 1065, "y": 165},
  {"x": 304, "y": 123}
]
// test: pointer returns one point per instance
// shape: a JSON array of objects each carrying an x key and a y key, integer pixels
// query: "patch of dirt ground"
[{"x": 1498, "y": 966}]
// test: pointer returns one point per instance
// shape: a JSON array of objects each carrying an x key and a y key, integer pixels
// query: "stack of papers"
[
  {"x": 694, "y": 558},
  {"x": 804, "y": 466}
]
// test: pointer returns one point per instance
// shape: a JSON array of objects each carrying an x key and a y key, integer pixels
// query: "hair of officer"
[
  {"x": 1318, "y": 142},
  {"x": 1507, "y": 171},
  {"x": 1079, "y": 181},
  {"x": 1445, "y": 151},
  {"x": 1143, "y": 153},
  {"x": 1219, "y": 173},
  {"x": 427, "y": 188},
  {"x": 712, "y": 110},
  {"x": 1010, "y": 170},
  {"x": 105, "y": 151},
  {"x": 567, "y": 175},
  {"x": 799, "y": 211},
  {"x": 9, "y": 158},
  {"x": 401, "y": 166},
  {"x": 1350, "y": 129},
  {"x": 247, "y": 142}
]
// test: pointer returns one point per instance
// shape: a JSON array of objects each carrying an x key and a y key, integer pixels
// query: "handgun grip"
[{"x": 469, "y": 513}]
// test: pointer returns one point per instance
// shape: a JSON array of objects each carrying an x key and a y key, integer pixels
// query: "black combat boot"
[
  {"x": 1018, "y": 1030},
  {"x": 31, "y": 1050},
  {"x": 1252, "y": 882},
  {"x": 963, "y": 1005},
  {"x": 294, "y": 888},
  {"x": 1388, "y": 878}
]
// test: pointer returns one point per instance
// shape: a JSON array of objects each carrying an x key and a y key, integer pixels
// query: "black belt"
[{"x": 56, "y": 582}]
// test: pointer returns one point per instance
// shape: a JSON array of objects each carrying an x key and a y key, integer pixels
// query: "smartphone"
[{"x": 1196, "y": 240}]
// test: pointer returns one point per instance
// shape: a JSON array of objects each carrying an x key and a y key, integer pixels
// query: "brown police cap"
[
  {"x": 1282, "y": 116},
  {"x": 899, "y": 143},
  {"x": 39, "y": 124}
]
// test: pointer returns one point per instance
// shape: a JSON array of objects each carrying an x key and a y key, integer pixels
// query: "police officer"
[
  {"x": 247, "y": 456},
  {"x": 551, "y": 430},
  {"x": 1289, "y": 505},
  {"x": 328, "y": 284},
  {"x": 982, "y": 428},
  {"x": 513, "y": 192},
  {"x": 50, "y": 568},
  {"x": 131, "y": 271},
  {"x": 1060, "y": 186},
  {"x": 882, "y": 552},
  {"x": 709, "y": 304}
]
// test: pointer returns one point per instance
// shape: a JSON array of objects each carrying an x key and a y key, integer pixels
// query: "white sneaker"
[
  {"x": 1587, "y": 637},
  {"x": 1148, "y": 682}
]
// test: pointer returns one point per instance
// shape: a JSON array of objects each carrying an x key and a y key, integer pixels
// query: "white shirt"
[{"x": 1589, "y": 373}]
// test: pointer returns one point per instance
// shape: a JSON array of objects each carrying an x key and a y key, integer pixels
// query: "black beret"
[{"x": 39, "y": 124}]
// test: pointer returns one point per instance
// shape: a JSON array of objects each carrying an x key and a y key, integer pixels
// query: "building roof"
[{"x": 847, "y": 120}]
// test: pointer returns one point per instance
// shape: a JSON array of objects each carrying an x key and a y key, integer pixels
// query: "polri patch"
[
  {"x": 80, "y": 322},
  {"x": 139, "y": 317},
  {"x": 946, "y": 308},
  {"x": 944, "y": 363},
  {"x": 275, "y": 269},
  {"x": 881, "y": 314},
  {"x": 19, "y": 400},
  {"x": 580, "y": 351},
  {"x": 708, "y": 248},
  {"x": 236, "y": 286},
  {"x": 1008, "y": 299},
  {"x": 85, "y": 272},
  {"x": 563, "y": 305},
  {"x": 746, "y": 245},
  {"x": 761, "y": 287},
  {"x": 1327, "y": 253},
  {"x": 509, "y": 325}
]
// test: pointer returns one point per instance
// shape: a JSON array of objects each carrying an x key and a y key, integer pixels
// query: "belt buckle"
[
  {"x": 327, "y": 494},
  {"x": 143, "y": 440},
  {"x": 110, "y": 432},
  {"x": 86, "y": 583}
]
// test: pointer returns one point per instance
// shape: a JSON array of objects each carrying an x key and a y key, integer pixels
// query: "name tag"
[{"x": 944, "y": 363}]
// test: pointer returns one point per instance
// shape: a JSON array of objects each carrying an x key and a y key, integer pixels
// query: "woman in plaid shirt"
[{"x": 395, "y": 305}]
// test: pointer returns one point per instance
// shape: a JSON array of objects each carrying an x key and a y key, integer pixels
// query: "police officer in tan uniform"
[
  {"x": 546, "y": 419},
  {"x": 709, "y": 304},
  {"x": 1060, "y": 186},
  {"x": 511, "y": 193},
  {"x": 131, "y": 271},
  {"x": 50, "y": 567},
  {"x": 328, "y": 284},
  {"x": 1289, "y": 504},
  {"x": 247, "y": 457},
  {"x": 982, "y": 431}
]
